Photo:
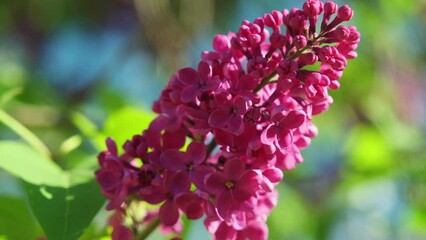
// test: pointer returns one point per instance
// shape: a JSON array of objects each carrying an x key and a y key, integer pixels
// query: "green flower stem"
[
  {"x": 149, "y": 229},
  {"x": 24, "y": 133},
  {"x": 264, "y": 81}
]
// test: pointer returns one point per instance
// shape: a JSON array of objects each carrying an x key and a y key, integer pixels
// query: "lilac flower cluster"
[{"x": 226, "y": 130}]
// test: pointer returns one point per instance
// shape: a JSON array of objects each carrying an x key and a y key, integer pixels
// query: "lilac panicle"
[{"x": 227, "y": 130}]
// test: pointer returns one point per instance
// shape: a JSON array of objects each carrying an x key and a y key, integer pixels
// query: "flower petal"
[
  {"x": 234, "y": 168},
  {"x": 273, "y": 174},
  {"x": 188, "y": 76},
  {"x": 189, "y": 93},
  {"x": 219, "y": 118},
  {"x": 250, "y": 180},
  {"x": 178, "y": 182},
  {"x": 284, "y": 139},
  {"x": 169, "y": 213},
  {"x": 204, "y": 70},
  {"x": 236, "y": 124},
  {"x": 173, "y": 159},
  {"x": 198, "y": 176},
  {"x": 215, "y": 182},
  {"x": 294, "y": 119},
  {"x": 196, "y": 152},
  {"x": 223, "y": 203},
  {"x": 269, "y": 134},
  {"x": 108, "y": 179}
]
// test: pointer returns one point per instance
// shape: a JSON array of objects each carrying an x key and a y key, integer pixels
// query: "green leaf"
[
  {"x": 126, "y": 122},
  {"x": 64, "y": 213},
  {"x": 368, "y": 150},
  {"x": 64, "y": 202},
  {"x": 23, "y": 162},
  {"x": 120, "y": 125},
  {"x": 16, "y": 221}
]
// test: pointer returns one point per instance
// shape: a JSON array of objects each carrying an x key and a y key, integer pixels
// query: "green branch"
[{"x": 149, "y": 229}]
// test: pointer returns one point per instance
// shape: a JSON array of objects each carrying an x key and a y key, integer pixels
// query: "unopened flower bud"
[
  {"x": 221, "y": 43},
  {"x": 313, "y": 8},
  {"x": 300, "y": 41},
  {"x": 345, "y": 13}
]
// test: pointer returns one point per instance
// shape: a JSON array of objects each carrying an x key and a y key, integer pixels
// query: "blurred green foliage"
[{"x": 76, "y": 72}]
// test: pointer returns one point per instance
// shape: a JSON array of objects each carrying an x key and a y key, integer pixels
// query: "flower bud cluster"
[{"x": 228, "y": 129}]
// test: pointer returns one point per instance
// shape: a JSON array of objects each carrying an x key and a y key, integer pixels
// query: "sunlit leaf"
[
  {"x": 22, "y": 161},
  {"x": 126, "y": 122},
  {"x": 368, "y": 150},
  {"x": 64, "y": 202}
]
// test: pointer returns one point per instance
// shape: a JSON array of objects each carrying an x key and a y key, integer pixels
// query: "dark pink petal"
[
  {"x": 204, "y": 70},
  {"x": 199, "y": 174},
  {"x": 236, "y": 124},
  {"x": 294, "y": 119},
  {"x": 273, "y": 174},
  {"x": 188, "y": 76},
  {"x": 241, "y": 104},
  {"x": 178, "y": 182},
  {"x": 118, "y": 199},
  {"x": 250, "y": 180},
  {"x": 223, "y": 203},
  {"x": 268, "y": 135},
  {"x": 173, "y": 159},
  {"x": 225, "y": 232},
  {"x": 108, "y": 179},
  {"x": 191, "y": 204},
  {"x": 258, "y": 231},
  {"x": 279, "y": 116},
  {"x": 238, "y": 220},
  {"x": 111, "y": 146},
  {"x": 190, "y": 93},
  {"x": 284, "y": 139},
  {"x": 196, "y": 152},
  {"x": 234, "y": 168},
  {"x": 194, "y": 210},
  {"x": 183, "y": 199},
  {"x": 121, "y": 232},
  {"x": 223, "y": 137},
  {"x": 174, "y": 138},
  {"x": 169, "y": 213},
  {"x": 247, "y": 205},
  {"x": 241, "y": 194},
  {"x": 215, "y": 182},
  {"x": 219, "y": 118},
  {"x": 211, "y": 84},
  {"x": 156, "y": 195}
]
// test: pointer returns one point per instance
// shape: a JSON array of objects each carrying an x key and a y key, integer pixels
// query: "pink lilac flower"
[
  {"x": 234, "y": 188},
  {"x": 229, "y": 113},
  {"x": 189, "y": 162},
  {"x": 279, "y": 132},
  {"x": 113, "y": 176},
  {"x": 196, "y": 82}
]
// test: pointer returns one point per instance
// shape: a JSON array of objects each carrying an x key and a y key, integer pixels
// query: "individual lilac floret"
[
  {"x": 234, "y": 188},
  {"x": 197, "y": 82}
]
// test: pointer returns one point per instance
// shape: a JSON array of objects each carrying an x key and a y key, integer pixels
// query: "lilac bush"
[{"x": 226, "y": 131}]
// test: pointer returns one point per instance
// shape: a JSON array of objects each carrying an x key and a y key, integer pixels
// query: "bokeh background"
[{"x": 73, "y": 72}]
